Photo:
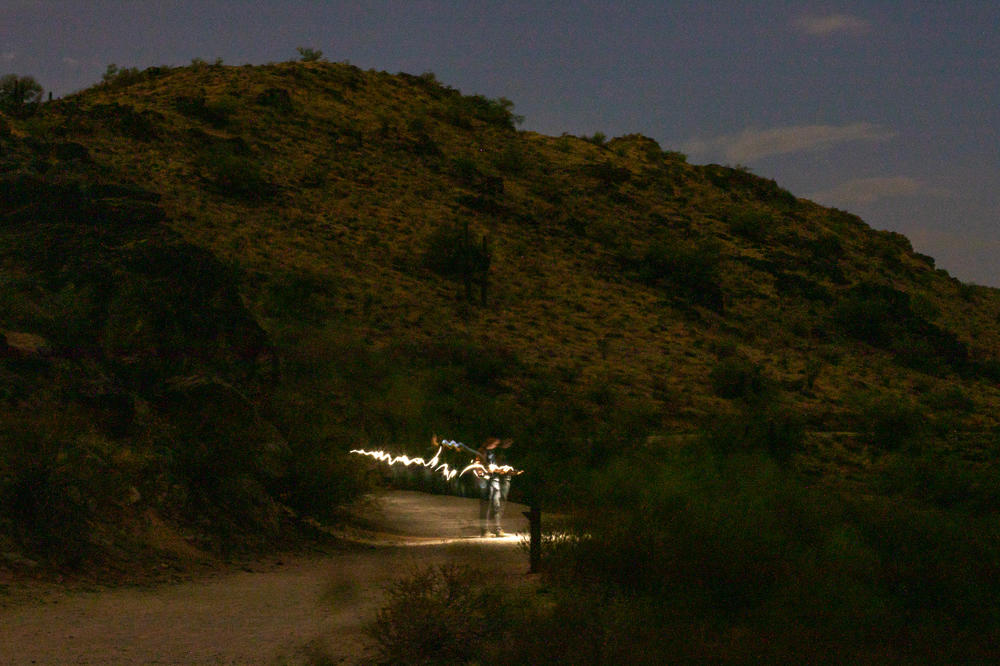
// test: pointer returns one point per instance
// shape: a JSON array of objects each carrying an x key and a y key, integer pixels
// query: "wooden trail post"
[{"x": 534, "y": 516}]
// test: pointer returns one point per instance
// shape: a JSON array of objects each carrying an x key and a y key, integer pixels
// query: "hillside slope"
[{"x": 368, "y": 258}]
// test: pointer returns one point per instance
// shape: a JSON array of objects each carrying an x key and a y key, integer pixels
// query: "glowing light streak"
[
  {"x": 458, "y": 446},
  {"x": 435, "y": 463},
  {"x": 491, "y": 469},
  {"x": 444, "y": 468}
]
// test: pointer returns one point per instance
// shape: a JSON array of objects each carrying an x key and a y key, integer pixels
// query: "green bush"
[
  {"x": 889, "y": 422},
  {"x": 882, "y": 316},
  {"x": 453, "y": 252},
  {"x": 752, "y": 224},
  {"x": 217, "y": 112},
  {"x": 740, "y": 180},
  {"x": 121, "y": 77},
  {"x": 237, "y": 176},
  {"x": 759, "y": 426},
  {"x": 20, "y": 96},
  {"x": 735, "y": 377},
  {"x": 678, "y": 556},
  {"x": 443, "y": 615},
  {"x": 277, "y": 99},
  {"x": 607, "y": 174},
  {"x": 461, "y": 110},
  {"x": 943, "y": 481},
  {"x": 54, "y": 482},
  {"x": 512, "y": 160},
  {"x": 309, "y": 55},
  {"x": 690, "y": 268}
]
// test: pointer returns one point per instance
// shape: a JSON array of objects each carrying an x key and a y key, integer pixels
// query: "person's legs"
[
  {"x": 496, "y": 504},
  {"x": 484, "y": 504},
  {"x": 502, "y": 502}
]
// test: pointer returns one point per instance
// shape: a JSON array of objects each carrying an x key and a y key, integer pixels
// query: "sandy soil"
[{"x": 277, "y": 611}]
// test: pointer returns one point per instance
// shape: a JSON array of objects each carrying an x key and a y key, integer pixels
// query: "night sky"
[{"x": 885, "y": 109}]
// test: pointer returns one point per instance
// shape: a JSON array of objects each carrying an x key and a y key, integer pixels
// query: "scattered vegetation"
[
  {"x": 20, "y": 96},
  {"x": 308, "y": 54},
  {"x": 776, "y": 426},
  {"x": 689, "y": 269},
  {"x": 452, "y": 251}
]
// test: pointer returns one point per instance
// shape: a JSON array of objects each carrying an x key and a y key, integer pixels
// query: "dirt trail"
[{"x": 280, "y": 613}]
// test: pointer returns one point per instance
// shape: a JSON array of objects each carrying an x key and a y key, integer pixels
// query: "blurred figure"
[{"x": 493, "y": 486}]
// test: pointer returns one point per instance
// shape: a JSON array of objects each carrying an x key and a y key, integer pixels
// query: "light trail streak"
[
  {"x": 435, "y": 464},
  {"x": 489, "y": 470},
  {"x": 444, "y": 468}
]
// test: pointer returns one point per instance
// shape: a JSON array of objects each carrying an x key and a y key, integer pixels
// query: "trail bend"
[{"x": 281, "y": 610}]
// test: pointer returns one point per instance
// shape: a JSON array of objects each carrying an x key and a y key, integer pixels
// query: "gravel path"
[{"x": 279, "y": 611}]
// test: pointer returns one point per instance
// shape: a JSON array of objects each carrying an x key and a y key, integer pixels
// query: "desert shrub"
[
  {"x": 276, "y": 98},
  {"x": 883, "y": 317},
  {"x": 764, "y": 426},
  {"x": 308, "y": 54},
  {"x": 53, "y": 482},
  {"x": 749, "y": 223},
  {"x": 480, "y": 365},
  {"x": 763, "y": 565},
  {"x": 607, "y": 174},
  {"x": 987, "y": 369},
  {"x": 511, "y": 160},
  {"x": 709, "y": 535},
  {"x": 20, "y": 96},
  {"x": 688, "y": 268},
  {"x": 452, "y": 251},
  {"x": 465, "y": 171},
  {"x": 440, "y": 615},
  {"x": 216, "y": 113},
  {"x": 218, "y": 454},
  {"x": 296, "y": 296},
  {"x": 236, "y": 175},
  {"x": 461, "y": 110},
  {"x": 143, "y": 125},
  {"x": 421, "y": 142},
  {"x": 741, "y": 180},
  {"x": 868, "y": 313},
  {"x": 952, "y": 398},
  {"x": 889, "y": 422},
  {"x": 318, "y": 479},
  {"x": 735, "y": 377},
  {"x": 943, "y": 481},
  {"x": 794, "y": 284},
  {"x": 684, "y": 555},
  {"x": 121, "y": 77}
]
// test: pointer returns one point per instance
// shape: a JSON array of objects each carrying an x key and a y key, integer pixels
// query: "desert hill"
[{"x": 216, "y": 280}]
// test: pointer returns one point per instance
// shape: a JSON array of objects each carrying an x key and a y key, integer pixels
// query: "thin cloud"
[
  {"x": 7, "y": 56},
  {"x": 754, "y": 144},
  {"x": 869, "y": 190},
  {"x": 71, "y": 62},
  {"x": 830, "y": 24}
]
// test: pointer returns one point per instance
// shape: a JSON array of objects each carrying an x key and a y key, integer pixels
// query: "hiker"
[{"x": 493, "y": 487}]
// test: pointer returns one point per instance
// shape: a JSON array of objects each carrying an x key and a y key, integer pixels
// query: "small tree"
[
  {"x": 19, "y": 95},
  {"x": 451, "y": 251},
  {"x": 309, "y": 55}
]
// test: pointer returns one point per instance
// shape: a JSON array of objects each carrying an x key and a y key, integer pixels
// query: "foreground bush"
[
  {"x": 711, "y": 558},
  {"x": 443, "y": 615}
]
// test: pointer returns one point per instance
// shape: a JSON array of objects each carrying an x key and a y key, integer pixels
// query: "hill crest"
[{"x": 408, "y": 261}]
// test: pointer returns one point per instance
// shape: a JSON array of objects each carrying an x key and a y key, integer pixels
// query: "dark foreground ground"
[{"x": 277, "y": 610}]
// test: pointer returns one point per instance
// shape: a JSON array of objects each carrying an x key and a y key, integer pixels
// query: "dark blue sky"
[{"x": 887, "y": 109}]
